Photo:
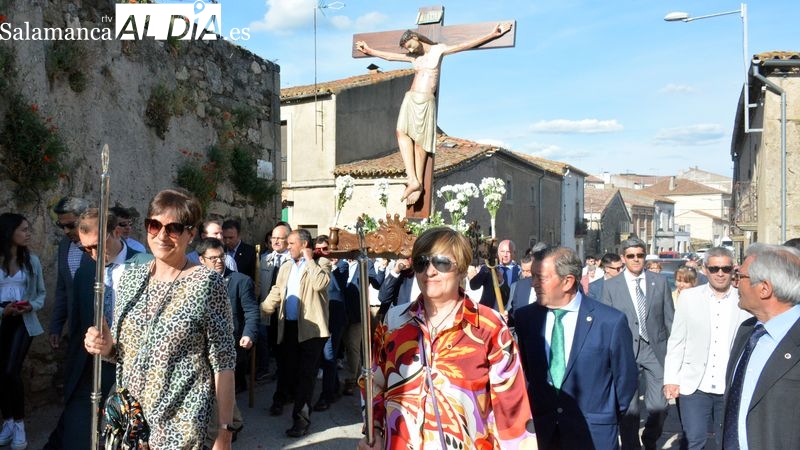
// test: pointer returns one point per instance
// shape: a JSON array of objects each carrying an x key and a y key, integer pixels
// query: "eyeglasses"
[
  {"x": 70, "y": 225},
  {"x": 174, "y": 230},
  {"x": 635, "y": 255},
  {"x": 614, "y": 268},
  {"x": 214, "y": 259},
  {"x": 124, "y": 224},
  {"x": 715, "y": 269},
  {"x": 738, "y": 276},
  {"x": 441, "y": 263}
]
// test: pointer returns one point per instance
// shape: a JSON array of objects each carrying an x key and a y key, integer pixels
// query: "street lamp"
[{"x": 742, "y": 11}]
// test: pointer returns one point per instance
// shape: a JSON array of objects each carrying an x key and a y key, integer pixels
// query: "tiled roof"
[
  {"x": 776, "y": 54},
  {"x": 556, "y": 167},
  {"x": 640, "y": 197},
  {"x": 644, "y": 180},
  {"x": 682, "y": 187},
  {"x": 336, "y": 86},
  {"x": 450, "y": 153},
  {"x": 596, "y": 200},
  {"x": 700, "y": 213},
  {"x": 594, "y": 179}
]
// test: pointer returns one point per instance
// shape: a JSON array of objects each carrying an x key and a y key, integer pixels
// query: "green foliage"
[
  {"x": 243, "y": 116},
  {"x": 244, "y": 177},
  {"x": 32, "y": 151},
  {"x": 435, "y": 220},
  {"x": 65, "y": 59},
  {"x": 159, "y": 110},
  {"x": 200, "y": 175}
]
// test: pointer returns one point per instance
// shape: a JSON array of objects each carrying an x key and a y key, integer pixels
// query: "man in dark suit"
[
  {"x": 70, "y": 257},
  {"x": 507, "y": 274},
  {"x": 577, "y": 357},
  {"x": 241, "y": 294},
  {"x": 270, "y": 263},
  {"x": 646, "y": 300},
  {"x": 763, "y": 371},
  {"x": 243, "y": 253},
  {"x": 612, "y": 265},
  {"x": 74, "y": 425}
]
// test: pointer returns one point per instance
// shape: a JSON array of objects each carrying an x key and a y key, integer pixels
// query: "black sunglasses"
[
  {"x": 441, "y": 263},
  {"x": 715, "y": 269},
  {"x": 70, "y": 225},
  {"x": 174, "y": 229},
  {"x": 635, "y": 255}
]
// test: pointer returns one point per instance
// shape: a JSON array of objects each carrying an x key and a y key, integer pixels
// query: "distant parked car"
[{"x": 669, "y": 255}]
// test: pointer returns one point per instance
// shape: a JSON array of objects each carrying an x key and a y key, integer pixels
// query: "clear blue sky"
[{"x": 604, "y": 86}]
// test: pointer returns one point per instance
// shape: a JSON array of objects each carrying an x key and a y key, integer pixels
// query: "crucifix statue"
[{"x": 416, "y": 124}]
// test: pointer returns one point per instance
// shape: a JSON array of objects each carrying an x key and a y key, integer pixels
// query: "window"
[
  {"x": 533, "y": 195},
  {"x": 509, "y": 188}
]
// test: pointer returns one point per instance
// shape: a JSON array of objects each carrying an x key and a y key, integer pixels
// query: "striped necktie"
[{"x": 641, "y": 307}]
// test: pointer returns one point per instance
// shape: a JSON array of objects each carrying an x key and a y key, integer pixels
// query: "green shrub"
[
  {"x": 244, "y": 177},
  {"x": 65, "y": 59},
  {"x": 159, "y": 110}
]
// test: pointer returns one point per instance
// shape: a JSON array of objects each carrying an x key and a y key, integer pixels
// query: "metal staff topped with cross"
[{"x": 416, "y": 125}]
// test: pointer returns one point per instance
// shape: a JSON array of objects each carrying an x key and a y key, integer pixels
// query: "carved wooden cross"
[{"x": 431, "y": 25}]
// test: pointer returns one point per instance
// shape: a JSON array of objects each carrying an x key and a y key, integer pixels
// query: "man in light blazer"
[
  {"x": 762, "y": 382},
  {"x": 646, "y": 300},
  {"x": 706, "y": 321},
  {"x": 300, "y": 295},
  {"x": 581, "y": 410}
]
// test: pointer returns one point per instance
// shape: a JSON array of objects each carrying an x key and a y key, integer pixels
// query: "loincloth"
[{"x": 417, "y": 119}]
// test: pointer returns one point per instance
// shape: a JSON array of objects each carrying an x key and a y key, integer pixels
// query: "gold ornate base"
[{"x": 392, "y": 239}]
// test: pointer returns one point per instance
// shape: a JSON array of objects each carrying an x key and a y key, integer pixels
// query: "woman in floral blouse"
[{"x": 446, "y": 371}]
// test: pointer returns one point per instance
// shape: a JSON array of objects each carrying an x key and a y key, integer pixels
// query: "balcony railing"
[{"x": 745, "y": 205}]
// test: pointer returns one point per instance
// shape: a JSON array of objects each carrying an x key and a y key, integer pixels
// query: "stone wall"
[{"x": 220, "y": 94}]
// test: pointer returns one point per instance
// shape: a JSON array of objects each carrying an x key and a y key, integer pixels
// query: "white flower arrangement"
[
  {"x": 381, "y": 193},
  {"x": 493, "y": 190},
  {"x": 343, "y": 193},
  {"x": 457, "y": 199}
]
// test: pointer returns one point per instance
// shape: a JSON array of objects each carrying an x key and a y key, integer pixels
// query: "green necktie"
[{"x": 558, "y": 363}]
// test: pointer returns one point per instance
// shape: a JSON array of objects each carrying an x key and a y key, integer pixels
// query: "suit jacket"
[
  {"x": 660, "y": 309},
  {"x": 483, "y": 279},
  {"x": 246, "y": 314},
  {"x": 519, "y": 297},
  {"x": 81, "y": 317},
  {"x": 269, "y": 273},
  {"x": 596, "y": 288},
  {"x": 350, "y": 290},
  {"x": 772, "y": 415},
  {"x": 245, "y": 258},
  {"x": 313, "y": 308},
  {"x": 62, "y": 303},
  {"x": 599, "y": 382},
  {"x": 690, "y": 337}
]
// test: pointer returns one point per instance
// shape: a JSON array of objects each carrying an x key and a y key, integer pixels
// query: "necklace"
[
  {"x": 434, "y": 328},
  {"x": 150, "y": 314}
]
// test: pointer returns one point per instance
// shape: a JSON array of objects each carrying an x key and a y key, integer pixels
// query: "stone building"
[
  {"x": 758, "y": 171},
  {"x": 608, "y": 219}
]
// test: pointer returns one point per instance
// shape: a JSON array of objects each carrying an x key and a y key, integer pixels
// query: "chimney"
[
  {"x": 373, "y": 69},
  {"x": 672, "y": 183}
]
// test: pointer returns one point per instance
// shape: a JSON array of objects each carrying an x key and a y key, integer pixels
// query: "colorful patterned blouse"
[{"x": 477, "y": 376}]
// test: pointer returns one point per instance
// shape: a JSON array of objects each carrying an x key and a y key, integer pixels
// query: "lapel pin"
[
  {"x": 588, "y": 318},
  {"x": 788, "y": 356}
]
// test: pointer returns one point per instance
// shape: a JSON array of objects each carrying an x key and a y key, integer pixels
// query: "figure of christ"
[{"x": 416, "y": 124}]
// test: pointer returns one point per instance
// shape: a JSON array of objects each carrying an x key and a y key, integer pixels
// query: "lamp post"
[{"x": 742, "y": 11}]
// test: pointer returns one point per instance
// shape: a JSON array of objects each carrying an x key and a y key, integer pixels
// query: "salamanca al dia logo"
[{"x": 196, "y": 21}]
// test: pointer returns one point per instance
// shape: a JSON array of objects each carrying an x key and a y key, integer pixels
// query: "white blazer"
[{"x": 690, "y": 337}]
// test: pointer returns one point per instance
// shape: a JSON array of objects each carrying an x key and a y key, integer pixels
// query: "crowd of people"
[{"x": 546, "y": 351}]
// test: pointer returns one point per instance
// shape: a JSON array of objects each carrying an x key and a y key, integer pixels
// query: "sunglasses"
[
  {"x": 70, "y": 225},
  {"x": 174, "y": 230},
  {"x": 738, "y": 276},
  {"x": 715, "y": 269},
  {"x": 440, "y": 263},
  {"x": 615, "y": 268},
  {"x": 635, "y": 255}
]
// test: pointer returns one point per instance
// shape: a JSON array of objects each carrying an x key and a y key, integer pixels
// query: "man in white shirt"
[{"x": 699, "y": 345}]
